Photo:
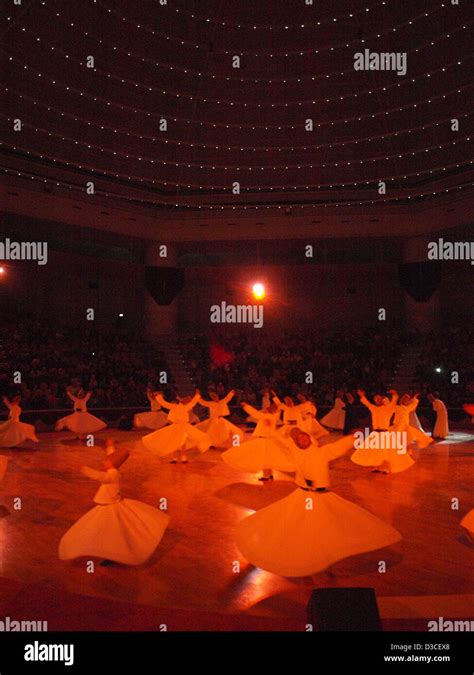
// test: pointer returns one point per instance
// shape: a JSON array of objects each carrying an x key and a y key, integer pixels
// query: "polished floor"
[{"x": 429, "y": 573}]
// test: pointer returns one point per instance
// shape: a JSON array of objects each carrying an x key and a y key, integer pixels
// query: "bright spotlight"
[
  {"x": 438, "y": 370},
  {"x": 258, "y": 291},
  {"x": 2, "y": 270}
]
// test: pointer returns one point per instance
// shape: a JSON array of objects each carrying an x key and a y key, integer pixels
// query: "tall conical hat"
[
  {"x": 110, "y": 447},
  {"x": 119, "y": 457}
]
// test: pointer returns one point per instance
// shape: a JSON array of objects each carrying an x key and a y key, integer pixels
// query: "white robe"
[
  {"x": 80, "y": 422},
  {"x": 415, "y": 422},
  {"x": 222, "y": 433},
  {"x": 441, "y": 427},
  {"x": 380, "y": 449},
  {"x": 123, "y": 530},
  {"x": 336, "y": 417},
  {"x": 155, "y": 419},
  {"x": 381, "y": 414},
  {"x": 401, "y": 422},
  {"x": 308, "y": 531},
  {"x": 265, "y": 404},
  {"x": 266, "y": 449},
  {"x": 292, "y": 417},
  {"x": 310, "y": 423},
  {"x": 388, "y": 459},
  {"x": 180, "y": 434},
  {"x": 13, "y": 432}
]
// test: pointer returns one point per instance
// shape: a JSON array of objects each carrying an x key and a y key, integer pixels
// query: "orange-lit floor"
[{"x": 429, "y": 573}]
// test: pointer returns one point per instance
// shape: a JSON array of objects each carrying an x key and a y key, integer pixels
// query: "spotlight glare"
[
  {"x": 438, "y": 370},
  {"x": 258, "y": 291},
  {"x": 2, "y": 270}
]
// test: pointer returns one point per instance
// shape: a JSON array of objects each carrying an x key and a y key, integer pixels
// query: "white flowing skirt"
[
  {"x": 334, "y": 419},
  {"x": 413, "y": 435},
  {"x": 387, "y": 459},
  {"x": 441, "y": 428},
  {"x": 154, "y": 419},
  {"x": 175, "y": 437},
  {"x": 80, "y": 423},
  {"x": 126, "y": 532},
  {"x": 258, "y": 454},
  {"x": 220, "y": 431},
  {"x": 291, "y": 539},
  {"x": 415, "y": 422},
  {"x": 13, "y": 433},
  {"x": 390, "y": 461}
]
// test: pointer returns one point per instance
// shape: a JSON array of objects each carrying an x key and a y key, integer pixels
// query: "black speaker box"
[
  {"x": 420, "y": 279},
  {"x": 344, "y": 609},
  {"x": 164, "y": 283}
]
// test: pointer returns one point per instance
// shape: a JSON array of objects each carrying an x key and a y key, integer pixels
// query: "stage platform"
[{"x": 190, "y": 582}]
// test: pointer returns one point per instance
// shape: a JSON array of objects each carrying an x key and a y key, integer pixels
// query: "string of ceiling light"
[
  {"x": 228, "y": 187},
  {"x": 242, "y": 148},
  {"x": 230, "y": 167},
  {"x": 245, "y": 104},
  {"x": 205, "y": 47},
  {"x": 197, "y": 206},
  {"x": 296, "y": 187},
  {"x": 286, "y": 26},
  {"x": 213, "y": 76},
  {"x": 69, "y": 88}
]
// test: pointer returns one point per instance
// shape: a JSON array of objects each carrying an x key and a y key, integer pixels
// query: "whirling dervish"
[
  {"x": 292, "y": 415},
  {"x": 381, "y": 410},
  {"x": 13, "y": 432},
  {"x": 379, "y": 448},
  {"x": 222, "y": 433},
  {"x": 193, "y": 418},
  {"x": 310, "y": 424},
  {"x": 155, "y": 418},
  {"x": 311, "y": 528},
  {"x": 335, "y": 418},
  {"x": 266, "y": 450},
  {"x": 80, "y": 422},
  {"x": 401, "y": 421},
  {"x": 117, "y": 529},
  {"x": 179, "y": 436},
  {"x": 441, "y": 427},
  {"x": 266, "y": 400}
]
